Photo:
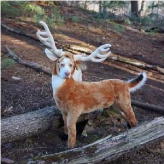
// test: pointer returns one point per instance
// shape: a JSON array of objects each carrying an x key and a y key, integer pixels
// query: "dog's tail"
[{"x": 138, "y": 82}]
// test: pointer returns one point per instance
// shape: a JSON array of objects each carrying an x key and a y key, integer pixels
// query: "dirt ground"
[{"x": 34, "y": 90}]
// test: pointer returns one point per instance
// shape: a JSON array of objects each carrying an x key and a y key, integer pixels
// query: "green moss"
[
  {"x": 5, "y": 63},
  {"x": 36, "y": 158},
  {"x": 75, "y": 19}
]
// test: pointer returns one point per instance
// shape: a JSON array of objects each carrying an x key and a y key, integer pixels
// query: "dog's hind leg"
[{"x": 124, "y": 104}]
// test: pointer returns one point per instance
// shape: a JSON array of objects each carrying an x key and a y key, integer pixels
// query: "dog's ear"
[
  {"x": 57, "y": 67},
  {"x": 81, "y": 65},
  {"x": 76, "y": 65}
]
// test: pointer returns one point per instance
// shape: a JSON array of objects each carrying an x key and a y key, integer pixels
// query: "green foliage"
[
  {"x": 75, "y": 19},
  {"x": 127, "y": 21},
  {"x": 10, "y": 9},
  {"x": 162, "y": 54},
  {"x": 54, "y": 18},
  {"x": 143, "y": 21},
  {"x": 14, "y": 9},
  {"x": 114, "y": 4},
  {"x": 118, "y": 28},
  {"x": 146, "y": 21},
  {"x": 98, "y": 16},
  {"x": 29, "y": 9},
  {"x": 5, "y": 63}
]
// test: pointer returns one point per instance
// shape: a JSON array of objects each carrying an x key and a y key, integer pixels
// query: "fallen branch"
[
  {"x": 122, "y": 59},
  {"x": 149, "y": 107},
  {"x": 31, "y": 123},
  {"x": 7, "y": 161},
  {"x": 110, "y": 148},
  {"x": 18, "y": 32},
  {"x": 136, "y": 63},
  {"x": 156, "y": 29},
  {"x": 28, "y": 63}
]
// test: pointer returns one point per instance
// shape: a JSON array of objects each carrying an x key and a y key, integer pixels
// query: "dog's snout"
[{"x": 67, "y": 73}]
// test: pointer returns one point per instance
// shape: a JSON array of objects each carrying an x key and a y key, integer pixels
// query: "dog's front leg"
[
  {"x": 71, "y": 126},
  {"x": 65, "y": 122}
]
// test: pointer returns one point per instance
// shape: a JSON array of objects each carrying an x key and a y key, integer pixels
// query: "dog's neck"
[{"x": 57, "y": 82}]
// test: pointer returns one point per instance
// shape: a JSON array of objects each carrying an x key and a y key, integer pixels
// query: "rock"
[{"x": 16, "y": 78}]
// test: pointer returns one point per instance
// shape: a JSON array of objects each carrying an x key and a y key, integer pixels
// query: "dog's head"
[{"x": 65, "y": 66}]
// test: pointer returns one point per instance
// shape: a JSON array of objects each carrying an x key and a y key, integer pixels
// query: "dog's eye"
[
  {"x": 70, "y": 65},
  {"x": 62, "y": 65}
]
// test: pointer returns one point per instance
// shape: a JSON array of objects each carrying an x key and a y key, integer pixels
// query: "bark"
[
  {"x": 28, "y": 63},
  {"x": 134, "y": 8},
  {"x": 31, "y": 123},
  {"x": 110, "y": 148}
]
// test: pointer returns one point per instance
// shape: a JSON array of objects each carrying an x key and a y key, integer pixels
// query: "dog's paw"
[{"x": 64, "y": 136}]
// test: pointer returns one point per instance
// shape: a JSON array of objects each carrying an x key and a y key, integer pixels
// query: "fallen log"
[
  {"x": 149, "y": 107},
  {"x": 136, "y": 63},
  {"x": 31, "y": 123},
  {"x": 122, "y": 59},
  {"x": 28, "y": 124},
  {"x": 33, "y": 65},
  {"x": 109, "y": 148}
]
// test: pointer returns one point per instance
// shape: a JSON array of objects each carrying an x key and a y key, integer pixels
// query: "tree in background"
[{"x": 134, "y": 8}]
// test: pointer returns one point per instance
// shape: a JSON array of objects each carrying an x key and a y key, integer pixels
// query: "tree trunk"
[
  {"x": 104, "y": 11},
  {"x": 143, "y": 9},
  {"x": 109, "y": 148},
  {"x": 134, "y": 8},
  {"x": 100, "y": 7}
]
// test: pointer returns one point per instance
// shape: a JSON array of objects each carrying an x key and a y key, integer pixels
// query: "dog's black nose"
[{"x": 67, "y": 73}]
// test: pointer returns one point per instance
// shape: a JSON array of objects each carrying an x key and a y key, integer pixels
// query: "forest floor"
[{"x": 34, "y": 90}]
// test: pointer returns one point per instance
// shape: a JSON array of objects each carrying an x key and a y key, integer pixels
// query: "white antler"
[
  {"x": 47, "y": 39},
  {"x": 95, "y": 56}
]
